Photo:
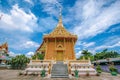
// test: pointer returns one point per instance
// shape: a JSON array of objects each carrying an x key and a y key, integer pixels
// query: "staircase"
[{"x": 59, "y": 70}]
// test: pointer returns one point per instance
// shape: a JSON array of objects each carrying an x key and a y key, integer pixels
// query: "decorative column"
[
  {"x": 55, "y": 50},
  {"x": 73, "y": 48},
  {"x": 64, "y": 49},
  {"x": 46, "y": 41}
]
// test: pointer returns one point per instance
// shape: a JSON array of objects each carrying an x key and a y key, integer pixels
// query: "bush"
[
  {"x": 113, "y": 69},
  {"x": 98, "y": 69},
  {"x": 19, "y": 62}
]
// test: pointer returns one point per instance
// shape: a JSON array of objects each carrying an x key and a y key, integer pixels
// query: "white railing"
[
  {"x": 82, "y": 66},
  {"x": 38, "y": 66}
]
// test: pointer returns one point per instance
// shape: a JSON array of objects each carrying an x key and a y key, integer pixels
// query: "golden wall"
[{"x": 60, "y": 49}]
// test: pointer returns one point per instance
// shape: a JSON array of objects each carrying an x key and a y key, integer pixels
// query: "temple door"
[{"x": 59, "y": 56}]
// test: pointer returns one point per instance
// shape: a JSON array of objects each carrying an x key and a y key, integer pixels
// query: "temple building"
[
  {"x": 4, "y": 56},
  {"x": 3, "y": 49},
  {"x": 60, "y": 60},
  {"x": 59, "y": 44}
]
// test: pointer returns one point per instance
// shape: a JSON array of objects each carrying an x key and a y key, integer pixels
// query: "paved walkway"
[{"x": 13, "y": 75}]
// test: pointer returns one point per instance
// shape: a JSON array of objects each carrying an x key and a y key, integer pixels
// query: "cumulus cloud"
[
  {"x": 95, "y": 18},
  {"x": 51, "y": 7},
  {"x": 114, "y": 30},
  {"x": 17, "y": 27},
  {"x": 29, "y": 1},
  {"x": 12, "y": 54},
  {"x": 29, "y": 44},
  {"x": 86, "y": 45},
  {"x": 111, "y": 42},
  {"x": 92, "y": 18},
  {"x": 108, "y": 46},
  {"x": 46, "y": 24},
  {"x": 78, "y": 54},
  {"x": 18, "y": 20},
  {"x": 29, "y": 54}
]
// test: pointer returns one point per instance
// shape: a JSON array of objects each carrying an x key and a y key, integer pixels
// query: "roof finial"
[
  {"x": 60, "y": 14},
  {"x": 60, "y": 11}
]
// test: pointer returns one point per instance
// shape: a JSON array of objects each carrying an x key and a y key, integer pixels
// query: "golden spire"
[{"x": 60, "y": 18}]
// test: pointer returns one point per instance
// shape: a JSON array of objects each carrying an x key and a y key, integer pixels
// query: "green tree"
[
  {"x": 38, "y": 56},
  {"x": 86, "y": 54},
  {"x": 19, "y": 62},
  {"x": 98, "y": 69},
  {"x": 106, "y": 54}
]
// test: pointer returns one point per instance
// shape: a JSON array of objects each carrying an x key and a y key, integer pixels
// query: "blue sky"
[{"x": 24, "y": 22}]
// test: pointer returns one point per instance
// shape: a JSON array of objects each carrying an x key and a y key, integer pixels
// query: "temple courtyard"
[{"x": 14, "y": 75}]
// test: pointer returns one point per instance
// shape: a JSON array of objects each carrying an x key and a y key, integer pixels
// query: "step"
[
  {"x": 59, "y": 62},
  {"x": 59, "y": 76},
  {"x": 59, "y": 73},
  {"x": 59, "y": 70}
]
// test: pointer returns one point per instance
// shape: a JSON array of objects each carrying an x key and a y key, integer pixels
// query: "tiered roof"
[
  {"x": 60, "y": 31},
  {"x": 4, "y": 47}
]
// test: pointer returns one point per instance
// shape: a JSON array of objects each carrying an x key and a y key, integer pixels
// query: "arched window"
[{"x": 60, "y": 46}]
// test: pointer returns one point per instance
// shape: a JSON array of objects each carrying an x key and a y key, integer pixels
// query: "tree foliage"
[
  {"x": 86, "y": 54},
  {"x": 100, "y": 55},
  {"x": 98, "y": 69},
  {"x": 19, "y": 62},
  {"x": 38, "y": 56},
  {"x": 106, "y": 54}
]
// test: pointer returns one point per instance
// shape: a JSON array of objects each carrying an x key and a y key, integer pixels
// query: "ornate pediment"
[{"x": 60, "y": 31}]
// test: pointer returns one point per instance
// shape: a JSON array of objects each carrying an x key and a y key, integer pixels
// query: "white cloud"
[
  {"x": 95, "y": 18},
  {"x": 49, "y": 1},
  {"x": 109, "y": 43},
  {"x": 77, "y": 48},
  {"x": 92, "y": 18},
  {"x": 51, "y": 7},
  {"x": 78, "y": 54},
  {"x": 29, "y": 54},
  {"x": 29, "y": 44},
  {"x": 86, "y": 45},
  {"x": 18, "y": 26},
  {"x": 12, "y": 54},
  {"x": 46, "y": 24},
  {"x": 18, "y": 20},
  {"x": 108, "y": 46},
  {"x": 90, "y": 9},
  {"x": 29, "y": 1},
  {"x": 112, "y": 40},
  {"x": 114, "y": 30}
]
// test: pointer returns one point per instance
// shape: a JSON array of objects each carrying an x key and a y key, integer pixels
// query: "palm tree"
[
  {"x": 86, "y": 54},
  {"x": 38, "y": 56},
  {"x": 106, "y": 54}
]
